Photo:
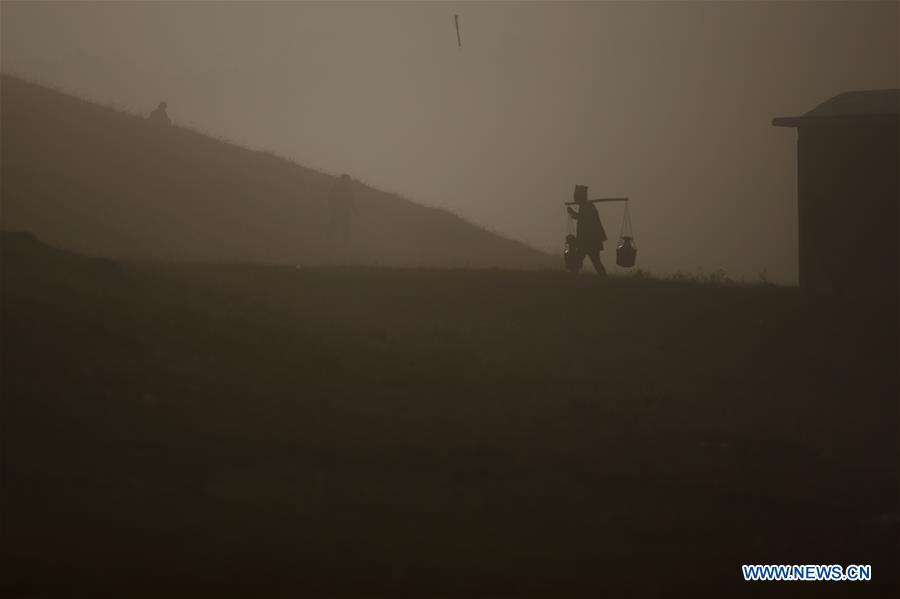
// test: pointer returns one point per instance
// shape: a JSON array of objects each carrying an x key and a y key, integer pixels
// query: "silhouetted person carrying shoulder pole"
[
  {"x": 342, "y": 208},
  {"x": 589, "y": 234}
]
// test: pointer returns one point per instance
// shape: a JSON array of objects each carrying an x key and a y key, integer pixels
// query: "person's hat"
[{"x": 580, "y": 194}]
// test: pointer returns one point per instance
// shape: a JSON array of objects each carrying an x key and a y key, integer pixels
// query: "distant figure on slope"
[
  {"x": 159, "y": 116},
  {"x": 342, "y": 208},
  {"x": 589, "y": 235}
]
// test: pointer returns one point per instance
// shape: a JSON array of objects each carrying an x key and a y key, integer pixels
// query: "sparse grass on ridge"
[{"x": 246, "y": 430}]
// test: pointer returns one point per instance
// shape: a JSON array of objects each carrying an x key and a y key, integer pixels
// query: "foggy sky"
[{"x": 669, "y": 103}]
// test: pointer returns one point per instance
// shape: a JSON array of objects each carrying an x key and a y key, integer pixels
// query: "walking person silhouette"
[{"x": 589, "y": 234}]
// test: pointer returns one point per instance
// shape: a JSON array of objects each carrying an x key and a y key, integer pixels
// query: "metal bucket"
[{"x": 626, "y": 252}]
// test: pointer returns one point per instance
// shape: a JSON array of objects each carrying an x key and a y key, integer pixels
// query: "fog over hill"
[
  {"x": 668, "y": 103},
  {"x": 100, "y": 181}
]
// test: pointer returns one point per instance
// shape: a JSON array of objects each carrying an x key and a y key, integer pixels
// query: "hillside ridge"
[{"x": 97, "y": 180}]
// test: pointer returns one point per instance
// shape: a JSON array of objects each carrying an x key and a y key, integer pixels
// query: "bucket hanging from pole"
[{"x": 626, "y": 250}]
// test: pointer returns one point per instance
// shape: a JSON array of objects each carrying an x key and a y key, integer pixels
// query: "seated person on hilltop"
[{"x": 159, "y": 115}]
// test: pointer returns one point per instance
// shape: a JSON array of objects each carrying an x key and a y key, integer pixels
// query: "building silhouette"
[{"x": 848, "y": 191}]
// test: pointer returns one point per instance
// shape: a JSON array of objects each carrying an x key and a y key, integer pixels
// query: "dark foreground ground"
[{"x": 265, "y": 432}]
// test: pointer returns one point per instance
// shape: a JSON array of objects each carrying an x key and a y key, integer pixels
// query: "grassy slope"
[
  {"x": 108, "y": 183},
  {"x": 268, "y": 431}
]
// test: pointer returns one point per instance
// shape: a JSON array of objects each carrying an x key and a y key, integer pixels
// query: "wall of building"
[{"x": 849, "y": 191}]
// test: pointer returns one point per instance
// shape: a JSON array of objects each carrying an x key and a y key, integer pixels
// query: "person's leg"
[
  {"x": 598, "y": 266},
  {"x": 579, "y": 259}
]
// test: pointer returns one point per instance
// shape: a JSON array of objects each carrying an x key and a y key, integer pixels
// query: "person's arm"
[{"x": 572, "y": 213}]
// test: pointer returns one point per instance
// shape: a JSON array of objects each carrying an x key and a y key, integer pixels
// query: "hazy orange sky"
[{"x": 669, "y": 103}]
